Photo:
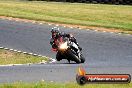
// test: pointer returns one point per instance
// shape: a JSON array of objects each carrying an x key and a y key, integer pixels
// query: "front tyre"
[
  {"x": 74, "y": 57},
  {"x": 82, "y": 59}
]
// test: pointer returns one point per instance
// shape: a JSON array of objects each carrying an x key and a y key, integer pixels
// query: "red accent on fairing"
[
  {"x": 57, "y": 41},
  {"x": 61, "y": 39}
]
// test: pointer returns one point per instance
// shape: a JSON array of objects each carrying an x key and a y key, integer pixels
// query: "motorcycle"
[{"x": 68, "y": 50}]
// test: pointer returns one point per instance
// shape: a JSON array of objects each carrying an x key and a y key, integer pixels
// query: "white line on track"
[
  {"x": 17, "y": 64},
  {"x": 6, "y": 65}
]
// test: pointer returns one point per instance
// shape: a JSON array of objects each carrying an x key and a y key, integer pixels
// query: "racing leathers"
[{"x": 61, "y": 34}]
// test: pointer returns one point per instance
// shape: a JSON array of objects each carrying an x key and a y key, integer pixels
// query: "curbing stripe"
[
  {"x": 42, "y": 62},
  {"x": 40, "y": 55},
  {"x": 33, "y": 22},
  {"x": 42, "y": 80},
  {"x": 25, "y": 21},
  {"x": 11, "y": 49},
  {"x": 35, "y": 54},
  {"x": 57, "y": 25},
  {"x": 10, "y": 18},
  {"x": 1, "y": 47},
  {"x": 6, "y": 65},
  {"x": 19, "y": 51},
  {"x": 43, "y": 56},
  {"x": 52, "y": 60},
  {"x": 30, "y": 53},
  {"x": 15, "y": 50},
  {"x": 128, "y": 34},
  {"x": 17, "y": 64},
  {"x": 24, "y": 52},
  {"x": 29, "y": 63},
  {"x": 6, "y": 48}
]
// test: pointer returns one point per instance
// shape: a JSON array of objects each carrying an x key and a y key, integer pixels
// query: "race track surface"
[{"x": 104, "y": 52}]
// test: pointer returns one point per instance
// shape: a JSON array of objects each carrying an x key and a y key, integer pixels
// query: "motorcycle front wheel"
[
  {"x": 82, "y": 59},
  {"x": 73, "y": 57}
]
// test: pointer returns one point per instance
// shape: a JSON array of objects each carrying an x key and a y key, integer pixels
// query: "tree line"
[{"x": 129, "y": 2}]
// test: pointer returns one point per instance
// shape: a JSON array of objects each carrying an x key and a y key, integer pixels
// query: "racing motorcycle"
[{"x": 68, "y": 50}]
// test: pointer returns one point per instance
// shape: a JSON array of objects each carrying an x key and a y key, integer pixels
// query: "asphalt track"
[{"x": 104, "y": 52}]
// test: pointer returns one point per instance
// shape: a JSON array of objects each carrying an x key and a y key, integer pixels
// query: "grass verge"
[
  {"x": 62, "y": 85},
  {"x": 11, "y": 57},
  {"x": 96, "y": 15}
]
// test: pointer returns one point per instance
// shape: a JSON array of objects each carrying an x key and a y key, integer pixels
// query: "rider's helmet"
[{"x": 55, "y": 31}]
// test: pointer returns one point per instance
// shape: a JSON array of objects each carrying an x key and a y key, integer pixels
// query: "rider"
[{"x": 56, "y": 34}]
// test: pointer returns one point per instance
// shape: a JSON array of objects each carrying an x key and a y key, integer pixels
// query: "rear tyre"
[{"x": 58, "y": 56}]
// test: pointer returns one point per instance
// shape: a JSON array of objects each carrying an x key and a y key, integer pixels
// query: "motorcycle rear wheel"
[{"x": 58, "y": 56}]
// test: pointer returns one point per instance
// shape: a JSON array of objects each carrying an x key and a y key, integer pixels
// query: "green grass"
[
  {"x": 62, "y": 85},
  {"x": 10, "y": 57},
  {"x": 98, "y": 15}
]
